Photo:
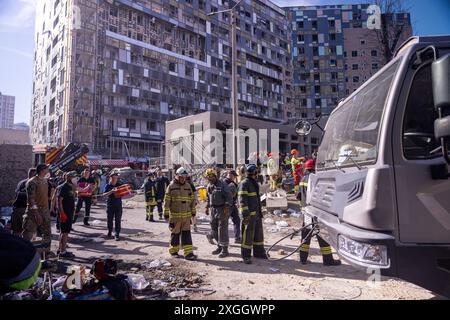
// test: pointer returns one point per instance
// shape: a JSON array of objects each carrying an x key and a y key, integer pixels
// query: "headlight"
[{"x": 371, "y": 254}]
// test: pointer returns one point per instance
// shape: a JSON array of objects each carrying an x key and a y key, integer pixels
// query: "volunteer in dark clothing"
[
  {"x": 162, "y": 183},
  {"x": 66, "y": 206},
  {"x": 234, "y": 212},
  {"x": 86, "y": 186},
  {"x": 20, "y": 204},
  {"x": 113, "y": 206}
]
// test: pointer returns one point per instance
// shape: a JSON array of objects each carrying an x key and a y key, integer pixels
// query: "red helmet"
[
  {"x": 294, "y": 151},
  {"x": 269, "y": 154},
  {"x": 309, "y": 164}
]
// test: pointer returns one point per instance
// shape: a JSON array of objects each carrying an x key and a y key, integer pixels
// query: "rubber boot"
[
  {"x": 217, "y": 251},
  {"x": 191, "y": 256},
  {"x": 328, "y": 260},
  {"x": 224, "y": 253}
]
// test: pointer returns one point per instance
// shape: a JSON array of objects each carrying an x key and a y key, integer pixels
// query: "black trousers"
[
  {"x": 159, "y": 204},
  {"x": 114, "y": 215},
  {"x": 253, "y": 237},
  {"x": 87, "y": 208},
  {"x": 236, "y": 221},
  {"x": 325, "y": 248}
]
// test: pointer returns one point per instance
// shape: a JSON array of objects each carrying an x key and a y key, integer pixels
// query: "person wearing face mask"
[
  {"x": 37, "y": 214},
  {"x": 179, "y": 208},
  {"x": 66, "y": 207}
]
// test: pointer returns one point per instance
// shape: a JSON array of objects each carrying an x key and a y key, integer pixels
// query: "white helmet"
[{"x": 181, "y": 172}]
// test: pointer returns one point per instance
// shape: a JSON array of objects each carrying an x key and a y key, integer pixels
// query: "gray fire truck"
[{"x": 381, "y": 189}]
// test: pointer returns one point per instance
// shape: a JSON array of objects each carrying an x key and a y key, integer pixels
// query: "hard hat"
[
  {"x": 71, "y": 174},
  {"x": 150, "y": 173},
  {"x": 309, "y": 164},
  {"x": 181, "y": 172},
  {"x": 210, "y": 171},
  {"x": 251, "y": 168},
  {"x": 294, "y": 151},
  {"x": 269, "y": 154}
]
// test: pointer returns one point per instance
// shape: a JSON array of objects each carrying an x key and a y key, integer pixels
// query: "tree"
[{"x": 392, "y": 32}]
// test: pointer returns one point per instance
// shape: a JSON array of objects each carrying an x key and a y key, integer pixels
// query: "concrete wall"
[
  {"x": 14, "y": 136},
  {"x": 207, "y": 120},
  {"x": 15, "y": 160}
]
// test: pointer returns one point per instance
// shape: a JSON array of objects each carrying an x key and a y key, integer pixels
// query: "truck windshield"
[{"x": 351, "y": 135}]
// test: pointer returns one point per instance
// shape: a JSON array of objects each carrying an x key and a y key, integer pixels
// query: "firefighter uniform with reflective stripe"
[
  {"x": 219, "y": 199},
  {"x": 325, "y": 248},
  {"x": 252, "y": 226},
  {"x": 150, "y": 198},
  {"x": 179, "y": 208}
]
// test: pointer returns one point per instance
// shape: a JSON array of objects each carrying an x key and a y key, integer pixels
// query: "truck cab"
[{"x": 381, "y": 190}]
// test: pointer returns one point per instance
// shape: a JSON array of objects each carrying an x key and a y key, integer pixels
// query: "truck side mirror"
[
  {"x": 303, "y": 128},
  {"x": 441, "y": 94}
]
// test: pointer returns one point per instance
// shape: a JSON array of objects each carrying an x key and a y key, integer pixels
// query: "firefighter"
[
  {"x": 149, "y": 187},
  {"x": 37, "y": 214},
  {"x": 162, "y": 183},
  {"x": 250, "y": 207},
  {"x": 325, "y": 248},
  {"x": 297, "y": 170},
  {"x": 234, "y": 212},
  {"x": 179, "y": 208},
  {"x": 219, "y": 200}
]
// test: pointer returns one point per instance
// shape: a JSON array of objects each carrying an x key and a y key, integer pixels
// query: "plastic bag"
[{"x": 137, "y": 281}]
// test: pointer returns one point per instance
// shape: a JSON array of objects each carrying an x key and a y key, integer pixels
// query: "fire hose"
[{"x": 314, "y": 231}]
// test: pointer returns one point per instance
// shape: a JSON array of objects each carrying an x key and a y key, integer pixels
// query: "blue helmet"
[{"x": 251, "y": 168}]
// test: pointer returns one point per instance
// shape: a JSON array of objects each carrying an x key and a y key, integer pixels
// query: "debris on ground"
[
  {"x": 137, "y": 281},
  {"x": 177, "y": 294},
  {"x": 158, "y": 264},
  {"x": 269, "y": 221},
  {"x": 282, "y": 224}
]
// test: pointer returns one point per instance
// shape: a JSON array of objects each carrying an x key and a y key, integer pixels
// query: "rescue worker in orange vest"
[
  {"x": 307, "y": 234},
  {"x": 297, "y": 170},
  {"x": 179, "y": 208},
  {"x": 250, "y": 207},
  {"x": 149, "y": 187}
]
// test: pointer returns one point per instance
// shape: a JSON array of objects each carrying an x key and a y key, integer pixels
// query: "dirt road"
[{"x": 227, "y": 278}]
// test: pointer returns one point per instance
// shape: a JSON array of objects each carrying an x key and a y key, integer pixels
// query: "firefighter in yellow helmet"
[{"x": 179, "y": 208}]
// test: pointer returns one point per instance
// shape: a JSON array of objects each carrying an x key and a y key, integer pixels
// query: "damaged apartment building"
[{"x": 110, "y": 73}]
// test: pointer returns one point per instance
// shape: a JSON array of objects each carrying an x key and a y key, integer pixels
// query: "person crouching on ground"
[
  {"x": 113, "y": 205},
  {"x": 66, "y": 206}
]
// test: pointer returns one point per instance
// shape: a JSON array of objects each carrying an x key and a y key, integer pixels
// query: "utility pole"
[{"x": 234, "y": 100}]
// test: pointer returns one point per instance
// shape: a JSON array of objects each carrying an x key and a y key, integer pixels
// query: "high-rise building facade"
[
  {"x": 111, "y": 72},
  {"x": 334, "y": 53},
  {"x": 7, "y": 105}
]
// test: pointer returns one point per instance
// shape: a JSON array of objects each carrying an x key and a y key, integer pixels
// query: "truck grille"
[{"x": 323, "y": 194}]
